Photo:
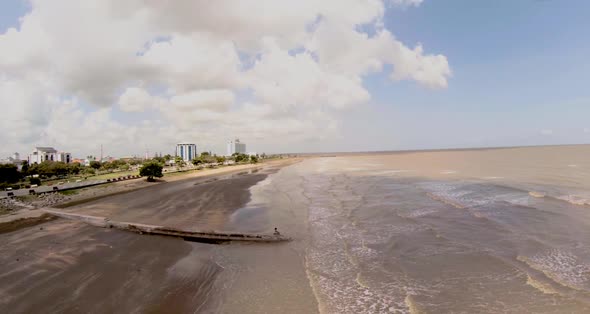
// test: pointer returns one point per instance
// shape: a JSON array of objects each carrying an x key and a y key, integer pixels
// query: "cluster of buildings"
[
  {"x": 186, "y": 151},
  {"x": 37, "y": 156},
  {"x": 14, "y": 159}
]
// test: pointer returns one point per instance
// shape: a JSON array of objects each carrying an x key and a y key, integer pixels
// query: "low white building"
[
  {"x": 236, "y": 147},
  {"x": 186, "y": 151},
  {"x": 41, "y": 154}
]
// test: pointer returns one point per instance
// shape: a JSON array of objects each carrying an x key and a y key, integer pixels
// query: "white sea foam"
[
  {"x": 536, "y": 194},
  {"x": 574, "y": 199},
  {"x": 521, "y": 200},
  {"x": 340, "y": 249},
  {"x": 458, "y": 198},
  {"x": 563, "y": 267},
  {"x": 419, "y": 213},
  {"x": 473, "y": 195}
]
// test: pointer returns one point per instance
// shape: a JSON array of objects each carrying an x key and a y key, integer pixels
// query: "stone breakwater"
[{"x": 15, "y": 204}]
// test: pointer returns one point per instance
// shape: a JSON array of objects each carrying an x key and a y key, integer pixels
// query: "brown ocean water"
[{"x": 474, "y": 231}]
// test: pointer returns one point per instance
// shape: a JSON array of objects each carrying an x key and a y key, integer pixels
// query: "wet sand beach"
[
  {"x": 69, "y": 267},
  {"x": 192, "y": 204}
]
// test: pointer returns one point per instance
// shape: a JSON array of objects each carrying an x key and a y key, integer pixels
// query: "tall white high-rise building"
[
  {"x": 186, "y": 151},
  {"x": 236, "y": 147}
]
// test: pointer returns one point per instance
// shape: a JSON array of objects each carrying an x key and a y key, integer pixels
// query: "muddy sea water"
[{"x": 474, "y": 231}]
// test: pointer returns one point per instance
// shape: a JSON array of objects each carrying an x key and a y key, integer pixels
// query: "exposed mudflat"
[
  {"x": 192, "y": 204},
  {"x": 67, "y": 266},
  {"x": 72, "y": 267}
]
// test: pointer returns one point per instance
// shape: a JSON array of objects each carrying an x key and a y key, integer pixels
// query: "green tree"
[
  {"x": 118, "y": 163},
  {"x": 74, "y": 168},
  {"x": 254, "y": 159},
  {"x": 107, "y": 166},
  {"x": 205, "y": 158},
  {"x": 167, "y": 157},
  {"x": 95, "y": 164},
  {"x": 33, "y": 169},
  {"x": 49, "y": 169},
  {"x": 239, "y": 157},
  {"x": 197, "y": 161},
  {"x": 9, "y": 173},
  {"x": 59, "y": 168},
  {"x": 150, "y": 170},
  {"x": 179, "y": 162},
  {"x": 220, "y": 159},
  {"x": 25, "y": 167},
  {"x": 134, "y": 161}
]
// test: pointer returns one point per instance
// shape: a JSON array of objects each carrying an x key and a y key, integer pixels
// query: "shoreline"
[
  {"x": 117, "y": 271},
  {"x": 30, "y": 209}
]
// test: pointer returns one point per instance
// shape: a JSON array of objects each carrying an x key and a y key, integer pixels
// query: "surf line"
[{"x": 195, "y": 236}]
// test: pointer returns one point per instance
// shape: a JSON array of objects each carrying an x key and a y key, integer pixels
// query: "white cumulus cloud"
[{"x": 148, "y": 73}]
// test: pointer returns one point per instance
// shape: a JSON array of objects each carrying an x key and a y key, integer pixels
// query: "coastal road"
[
  {"x": 69, "y": 185},
  {"x": 50, "y": 188}
]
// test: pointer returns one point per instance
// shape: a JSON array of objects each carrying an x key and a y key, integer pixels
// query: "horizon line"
[{"x": 432, "y": 149}]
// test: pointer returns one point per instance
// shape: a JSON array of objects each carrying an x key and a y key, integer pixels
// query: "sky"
[{"x": 292, "y": 76}]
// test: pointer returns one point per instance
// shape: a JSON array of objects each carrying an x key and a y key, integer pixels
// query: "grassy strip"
[
  {"x": 113, "y": 175},
  {"x": 103, "y": 176},
  {"x": 69, "y": 192}
]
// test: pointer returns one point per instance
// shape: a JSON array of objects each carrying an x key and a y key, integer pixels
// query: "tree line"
[
  {"x": 153, "y": 168},
  {"x": 32, "y": 174},
  {"x": 10, "y": 176}
]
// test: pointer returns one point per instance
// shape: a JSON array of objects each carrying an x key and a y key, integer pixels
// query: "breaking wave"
[
  {"x": 562, "y": 267},
  {"x": 541, "y": 286},
  {"x": 537, "y": 194},
  {"x": 574, "y": 199}
]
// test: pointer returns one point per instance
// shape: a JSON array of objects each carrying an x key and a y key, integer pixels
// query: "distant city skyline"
[{"x": 368, "y": 76}]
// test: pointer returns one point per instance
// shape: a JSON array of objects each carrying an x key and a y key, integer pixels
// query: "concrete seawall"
[{"x": 198, "y": 236}]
